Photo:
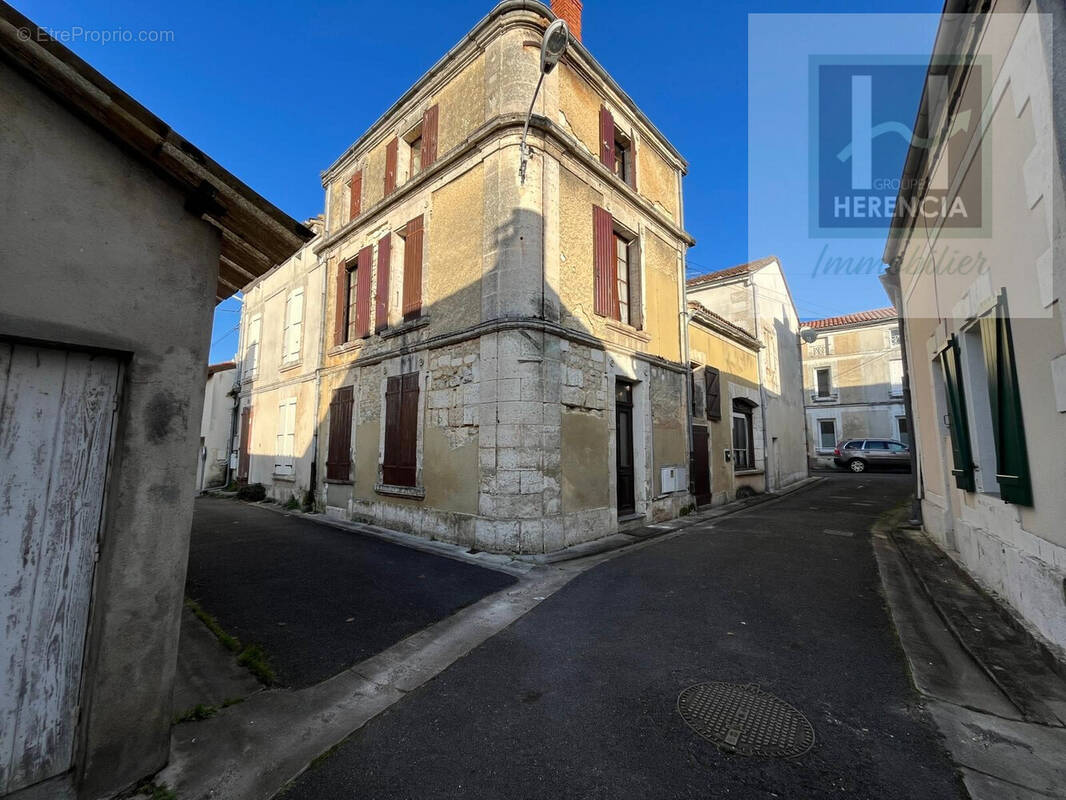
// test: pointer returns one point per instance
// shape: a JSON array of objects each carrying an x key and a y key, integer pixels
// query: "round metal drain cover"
[{"x": 743, "y": 719}]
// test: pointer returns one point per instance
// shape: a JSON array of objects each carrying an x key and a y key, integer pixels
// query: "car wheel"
[{"x": 857, "y": 465}]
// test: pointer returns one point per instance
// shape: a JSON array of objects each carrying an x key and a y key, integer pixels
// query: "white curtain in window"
[{"x": 294, "y": 312}]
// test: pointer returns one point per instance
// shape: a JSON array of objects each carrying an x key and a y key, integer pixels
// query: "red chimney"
[{"x": 570, "y": 10}]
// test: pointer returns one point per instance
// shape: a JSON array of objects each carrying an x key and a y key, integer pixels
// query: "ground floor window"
[
  {"x": 904, "y": 429},
  {"x": 743, "y": 435},
  {"x": 827, "y": 434},
  {"x": 399, "y": 467}
]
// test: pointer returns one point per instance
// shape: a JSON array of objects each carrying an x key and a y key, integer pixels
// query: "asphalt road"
[
  {"x": 578, "y": 698},
  {"x": 319, "y": 599}
]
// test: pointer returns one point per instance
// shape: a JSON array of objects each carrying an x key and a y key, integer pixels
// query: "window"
[
  {"x": 893, "y": 337},
  {"x": 339, "y": 456},
  {"x": 713, "y": 388},
  {"x": 697, "y": 390},
  {"x": 827, "y": 434},
  {"x": 392, "y": 152},
  {"x": 955, "y": 395},
  {"x": 284, "y": 450},
  {"x": 355, "y": 195},
  {"x": 616, "y": 149},
  {"x": 381, "y": 292},
  {"x": 895, "y": 376},
  {"x": 251, "y": 349},
  {"x": 822, "y": 383},
  {"x": 903, "y": 429},
  {"x": 896, "y": 447},
  {"x": 398, "y": 467},
  {"x": 294, "y": 310},
  {"x": 415, "y": 156},
  {"x": 353, "y": 298},
  {"x": 352, "y": 295},
  {"x": 623, "y": 158},
  {"x": 743, "y": 435},
  {"x": 412, "y": 269},
  {"x": 616, "y": 259},
  {"x": 875, "y": 444}
]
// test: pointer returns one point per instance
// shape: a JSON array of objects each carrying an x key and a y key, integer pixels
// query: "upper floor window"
[
  {"x": 822, "y": 384},
  {"x": 251, "y": 347},
  {"x": 616, "y": 148},
  {"x": 292, "y": 335},
  {"x": 414, "y": 151},
  {"x": 895, "y": 376},
  {"x": 623, "y": 157},
  {"x": 893, "y": 337},
  {"x": 616, "y": 257}
]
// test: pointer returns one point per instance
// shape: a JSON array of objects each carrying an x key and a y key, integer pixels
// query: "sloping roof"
[
  {"x": 730, "y": 272},
  {"x": 256, "y": 235},
  {"x": 724, "y": 325},
  {"x": 858, "y": 318},
  {"x": 222, "y": 366}
]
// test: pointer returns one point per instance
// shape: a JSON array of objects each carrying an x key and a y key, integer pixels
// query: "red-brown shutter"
[
  {"x": 412, "y": 269},
  {"x": 362, "y": 294},
  {"x": 381, "y": 293},
  {"x": 390, "y": 165},
  {"x": 713, "y": 381},
  {"x": 429, "y": 135},
  {"x": 340, "y": 321},
  {"x": 605, "y": 269},
  {"x": 398, "y": 467},
  {"x": 606, "y": 138},
  {"x": 355, "y": 195},
  {"x": 339, "y": 455}
]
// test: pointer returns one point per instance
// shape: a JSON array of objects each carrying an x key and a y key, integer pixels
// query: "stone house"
[
  {"x": 503, "y": 360},
  {"x": 852, "y": 381},
  {"x": 216, "y": 426},
  {"x": 727, "y": 434},
  {"x": 118, "y": 238},
  {"x": 982, "y": 298},
  {"x": 280, "y": 352},
  {"x": 756, "y": 298}
]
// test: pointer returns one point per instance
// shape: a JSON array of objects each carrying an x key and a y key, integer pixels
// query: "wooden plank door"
[
  {"x": 243, "y": 457},
  {"x": 57, "y": 410},
  {"x": 624, "y": 448},
  {"x": 701, "y": 467}
]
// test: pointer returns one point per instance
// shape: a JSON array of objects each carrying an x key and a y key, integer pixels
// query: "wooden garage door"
[{"x": 56, "y": 420}]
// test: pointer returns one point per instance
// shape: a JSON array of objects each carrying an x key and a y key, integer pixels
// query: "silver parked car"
[{"x": 858, "y": 455}]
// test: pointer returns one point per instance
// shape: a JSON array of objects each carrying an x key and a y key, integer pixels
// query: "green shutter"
[
  {"x": 1012, "y": 459},
  {"x": 950, "y": 362}
]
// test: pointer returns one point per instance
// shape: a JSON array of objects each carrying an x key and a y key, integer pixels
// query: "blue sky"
[{"x": 276, "y": 91}]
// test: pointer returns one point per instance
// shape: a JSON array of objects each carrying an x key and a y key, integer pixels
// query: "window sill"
[
  {"x": 287, "y": 478},
  {"x": 832, "y": 398},
  {"x": 746, "y": 472},
  {"x": 406, "y": 327},
  {"x": 347, "y": 347},
  {"x": 411, "y": 492},
  {"x": 290, "y": 367},
  {"x": 339, "y": 481},
  {"x": 628, "y": 330}
]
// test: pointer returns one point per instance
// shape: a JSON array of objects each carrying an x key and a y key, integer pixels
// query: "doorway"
[
  {"x": 243, "y": 457},
  {"x": 623, "y": 417},
  {"x": 701, "y": 465}
]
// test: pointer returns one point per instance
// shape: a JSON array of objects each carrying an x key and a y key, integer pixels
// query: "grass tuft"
[
  {"x": 254, "y": 659},
  {"x": 196, "y": 713},
  {"x": 231, "y": 643}
]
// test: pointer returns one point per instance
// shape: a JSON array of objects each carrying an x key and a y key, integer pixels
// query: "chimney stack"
[{"x": 569, "y": 10}]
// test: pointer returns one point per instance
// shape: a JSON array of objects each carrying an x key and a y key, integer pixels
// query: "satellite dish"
[
  {"x": 556, "y": 39},
  {"x": 808, "y": 335}
]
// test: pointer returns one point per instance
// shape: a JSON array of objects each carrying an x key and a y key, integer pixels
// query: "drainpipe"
[
  {"x": 313, "y": 482},
  {"x": 690, "y": 445}
]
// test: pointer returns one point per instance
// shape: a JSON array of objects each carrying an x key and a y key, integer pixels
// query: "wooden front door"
[
  {"x": 57, "y": 410},
  {"x": 623, "y": 405},
  {"x": 701, "y": 466},
  {"x": 243, "y": 457}
]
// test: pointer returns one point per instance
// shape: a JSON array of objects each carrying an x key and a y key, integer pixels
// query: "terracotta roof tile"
[
  {"x": 704, "y": 310},
  {"x": 730, "y": 272},
  {"x": 859, "y": 317}
]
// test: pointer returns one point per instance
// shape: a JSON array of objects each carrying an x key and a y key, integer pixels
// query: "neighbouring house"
[
  {"x": 118, "y": 238},
  {"x": 981, "y": 298},
  {"x": 728, "y": 445},
  {"x": 852, "y": 381},
  {"x": 216, "y": 426},
  {"x": 280, "y": 355},
  {"x": 504, "y": 359},
  {"x": 755, "y": 297}
]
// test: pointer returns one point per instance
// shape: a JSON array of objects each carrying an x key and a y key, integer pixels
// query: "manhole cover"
[{"x": 746, "y": 720}]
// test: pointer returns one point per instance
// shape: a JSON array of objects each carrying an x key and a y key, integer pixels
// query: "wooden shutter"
[
  {"x": 429, "y": 135},
  {"x": 340, "y": 319},
  {"x": 401, "y": 430},
  {"x": 339, "y": 455},
  {"x": 243, "y": 453},
  {"x": 636, "y": 293},
  {"x": 362, "y": 293},
  {"x": 381, "y": 293},
  {"x": 355, "y": 195},
  {"x": 412, "y": 269},
  {"x": 1012, "y": 458},
  {"x": 391, "y": 151},
  {"x": 605, "y": 280},
  {"x": 606, "y": 138},
  {"x": 713, "y": 382},
  {"x": 951, "y": 364}
]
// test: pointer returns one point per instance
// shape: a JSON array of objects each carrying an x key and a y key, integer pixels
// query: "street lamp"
[{"x": 552, "y": 47}]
